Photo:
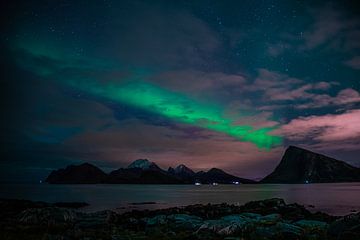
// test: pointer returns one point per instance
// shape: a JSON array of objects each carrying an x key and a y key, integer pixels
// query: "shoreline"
[
  {"x": 336, "y": 199},
  {"x": 265, "y": 219}
]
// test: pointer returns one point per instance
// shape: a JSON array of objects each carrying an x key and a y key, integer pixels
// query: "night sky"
[{"x": 227, "y": 84}]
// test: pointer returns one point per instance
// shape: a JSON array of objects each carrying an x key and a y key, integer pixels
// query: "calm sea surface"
[{"x": 337, "y": 199}]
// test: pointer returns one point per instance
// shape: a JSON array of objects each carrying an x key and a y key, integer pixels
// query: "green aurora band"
[
  {"x": 152, "y": 98},
  {"x": 180, "y": 108}
]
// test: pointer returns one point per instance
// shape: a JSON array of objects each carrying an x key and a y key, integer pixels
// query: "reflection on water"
[{"x": 337, "y": 199}]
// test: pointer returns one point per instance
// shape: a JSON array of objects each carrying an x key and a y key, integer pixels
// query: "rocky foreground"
[{"x": 267, "y": 219}]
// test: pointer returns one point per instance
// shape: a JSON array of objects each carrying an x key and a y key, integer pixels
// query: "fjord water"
[{"x": 332, "y": 198}]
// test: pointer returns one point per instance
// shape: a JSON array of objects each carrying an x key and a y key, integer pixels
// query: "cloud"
[
  {"x": 277, "y": 49},
  {"x": 331, "y": 28},
  {"x": 63, "y": 116},
  {"x": 344, "y": 97},
  {"x": 353, "y": 63},
  {"x": 256, "y": 118},
  {"x": 199, "y": 82},
  {"x": 159, "y": 36},
  {"x": 270, "y": 79},
  {"x": 328, "y": 23},
  {"x": 279, "y": 89},
  {"x": 331, "y": 131}
]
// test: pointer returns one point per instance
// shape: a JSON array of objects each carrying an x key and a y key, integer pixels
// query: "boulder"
[
  {"x": 239, "y": 223},
  {"x": 251, "y": 215},
  {"x": 312, "y": 225},
  {"x": 272, "y": 203},
  {"x": 347, "y": 227},
  {"x": 214, "y": 226},
  {"x": 157, "y": 220},
  {"x": 185, "y": 221},
  {"x": 47, "y": 216},
  {"x": 288, "y": 231},
  {"x": 96, "y": 220},
  {"x": 270, "y": 219},
  {"x": 263, "y": 233}
]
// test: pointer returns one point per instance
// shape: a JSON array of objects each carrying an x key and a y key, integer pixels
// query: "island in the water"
[{"x": 298, "y": 165}]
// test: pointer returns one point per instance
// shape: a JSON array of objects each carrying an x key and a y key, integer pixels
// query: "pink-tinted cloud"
[
  {"x": 278, "y": 88},
  {"x": 257, "y": 118},
  {"x": 270, "y": 79},
  {"x": 353, "y": 63},
  {"x": 332, "y": 131},
  {"x": 344, "y": 97}
]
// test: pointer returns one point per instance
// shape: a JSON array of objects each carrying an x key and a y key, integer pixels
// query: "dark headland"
[{"x": 297, "y": 165}]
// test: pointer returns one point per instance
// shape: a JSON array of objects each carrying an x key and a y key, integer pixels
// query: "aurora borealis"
[
  {"x": 146, "y": 96},
  {"x": 205, "y": 83},
  {"x": 170, "y": 104},
  {"x": 182, "y": 109}
]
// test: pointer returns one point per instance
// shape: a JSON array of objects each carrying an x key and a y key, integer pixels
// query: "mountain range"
[
  {"x": 298, "y": 165},
  {"x": 141, "y": 171}
]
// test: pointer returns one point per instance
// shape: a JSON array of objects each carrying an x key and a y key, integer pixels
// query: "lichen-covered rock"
[
  {"x": 47, "y": 216},
  {"x": 313, "y": 229},
  {"x": 263, "y": 233},
  {"x": 288, "y": 230},
  {"x": 251, "y": 215},
  {"x": 272, "y": 203},
  {"x": 213, "y": 226},
  {"x": 270, "y": 219},
  {"x": 239, "y": 223},
  {"x": 240, "y": 218},
  {"x": 96, "y": 220},
  {"x": 185, "y": 221},
  {"x": 347, "y": 227},
  {"x": 312, "y": 225},
  {"x": 227, "y": 225},
  {"x": 157, "y": 220}
]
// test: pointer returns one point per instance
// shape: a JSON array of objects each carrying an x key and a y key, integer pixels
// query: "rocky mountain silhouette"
[
  {"x": 299, "y": 165},
  {"x": 141, "y": 171}
]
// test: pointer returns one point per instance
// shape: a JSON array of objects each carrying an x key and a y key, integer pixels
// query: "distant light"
[
  {"x": 214, "y": 183},
  {"x": 197, "y": 184},
  {"x": 40, "y": 181},
  {"x": 307, "y": 181},
  {"x": 236, "y": 183}
]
